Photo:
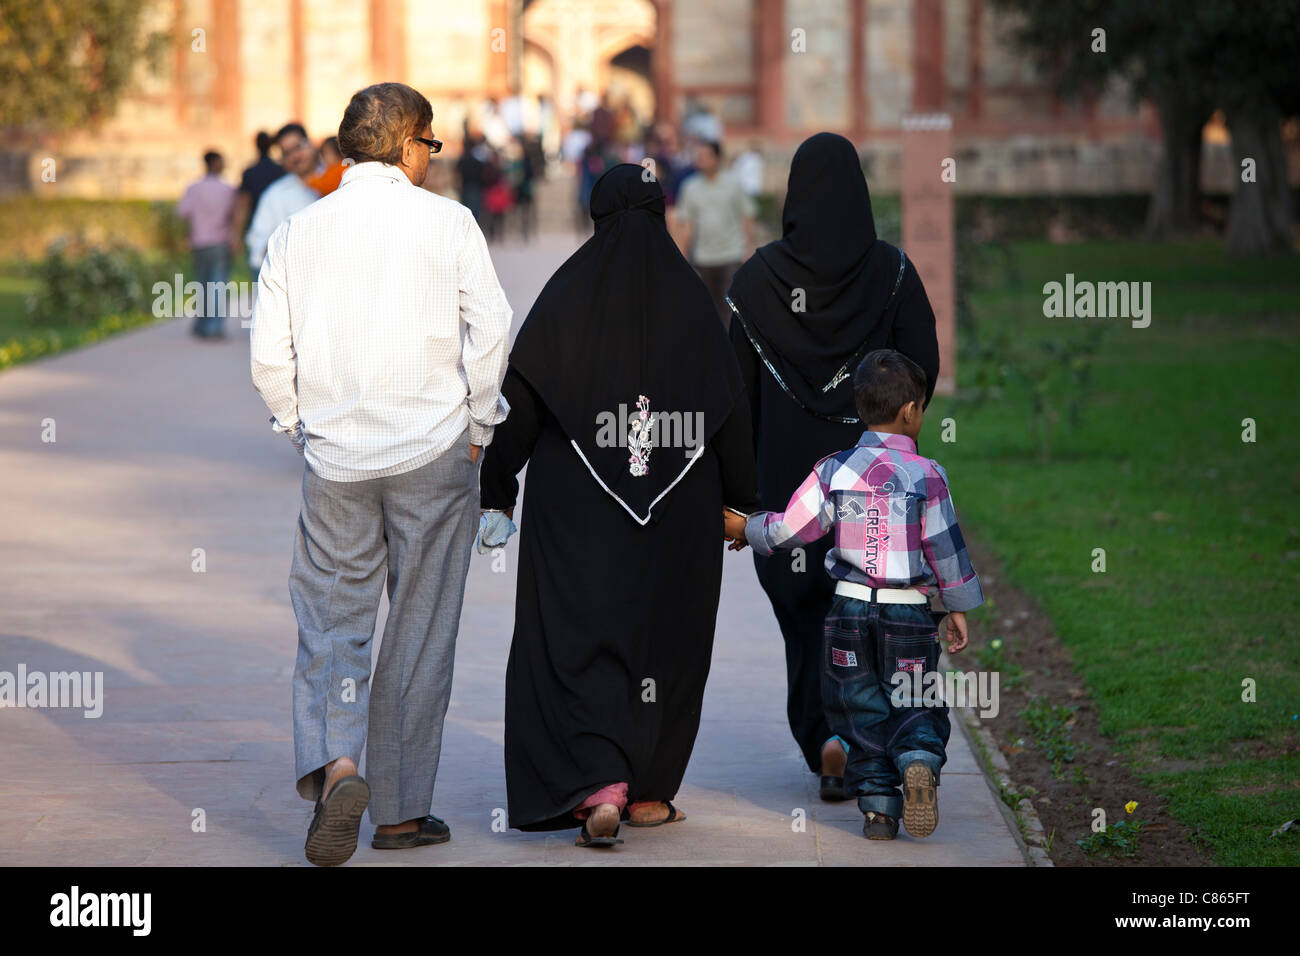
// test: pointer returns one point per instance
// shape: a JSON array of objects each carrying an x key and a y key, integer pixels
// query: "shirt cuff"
[
  {"x": 480, "y": 435},
  {"x": 292, "y": 432},
  {"x": 963, "y": 597},
  {"x": 754, "y": 533}
]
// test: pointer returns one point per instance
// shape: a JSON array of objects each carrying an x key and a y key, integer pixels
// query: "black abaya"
[
  {"x": 856, "y": 300},
  {"x": 618, "y": 582}
]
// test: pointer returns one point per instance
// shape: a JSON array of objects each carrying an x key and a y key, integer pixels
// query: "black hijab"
[
  {"x": 624, "y": 317},
  {"x": 848, "y": 277}
]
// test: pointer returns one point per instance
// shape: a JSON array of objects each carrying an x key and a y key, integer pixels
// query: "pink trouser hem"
[{"x": 615, "y": 793}]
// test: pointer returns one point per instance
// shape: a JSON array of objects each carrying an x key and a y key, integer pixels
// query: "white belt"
[{"x": 880, "y": 595}]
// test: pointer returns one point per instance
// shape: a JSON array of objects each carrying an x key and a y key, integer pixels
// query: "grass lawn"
[
  {"x": 14, "y": 289},
  {"x": 1202, "y": 542},
  {"x": 22, "y": 339}
]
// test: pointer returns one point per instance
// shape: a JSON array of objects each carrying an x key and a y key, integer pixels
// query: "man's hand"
[
  {"x": 474, "y": 452},
  {"x": 956, "y": 636}
]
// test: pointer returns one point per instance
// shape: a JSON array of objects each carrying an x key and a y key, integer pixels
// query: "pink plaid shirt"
[{"x": 894, "y": 522}]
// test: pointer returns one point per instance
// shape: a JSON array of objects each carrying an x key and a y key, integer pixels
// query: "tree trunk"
[
  {"x": 1176, "y": 194},
  {"x": 1259, "y": 223}
]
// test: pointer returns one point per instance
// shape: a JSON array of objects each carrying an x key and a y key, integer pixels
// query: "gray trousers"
[{"x": 415, "y": 530}]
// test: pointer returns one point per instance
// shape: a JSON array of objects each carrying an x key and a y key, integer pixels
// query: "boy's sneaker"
[
  {"x": 920, "y": 800},
  {"x": 877, "y": 826}
]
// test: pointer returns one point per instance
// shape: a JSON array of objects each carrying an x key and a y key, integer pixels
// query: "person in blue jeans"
[
  {"x": 208, "y": 205},
  {"x": 896, "y": 540}
]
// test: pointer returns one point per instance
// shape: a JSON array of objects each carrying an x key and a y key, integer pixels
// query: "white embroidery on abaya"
[{"x": 640, "y": 439}]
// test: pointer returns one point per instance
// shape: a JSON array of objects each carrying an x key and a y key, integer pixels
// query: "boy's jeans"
[{"x": 863, "y": 646}]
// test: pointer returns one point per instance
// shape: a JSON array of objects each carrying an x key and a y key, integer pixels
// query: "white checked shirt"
[
  {"x": 380, "y": 331},
  {"x": 280, "y": 200}
]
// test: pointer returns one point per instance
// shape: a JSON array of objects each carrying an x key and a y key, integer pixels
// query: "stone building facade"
[{"x": 773, "y": 70}]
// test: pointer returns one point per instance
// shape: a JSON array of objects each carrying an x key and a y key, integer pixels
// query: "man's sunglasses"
[{"x": 435, "y": 145}]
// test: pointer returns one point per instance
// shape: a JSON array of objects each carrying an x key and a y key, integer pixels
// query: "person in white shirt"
[
  {"x": 379, "y": 344},
  {"x": 286, "y": 195}
]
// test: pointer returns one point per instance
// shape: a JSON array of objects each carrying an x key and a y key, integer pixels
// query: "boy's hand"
[
  {"x": 733, "y": 530},
  {"x": 956, "y": 636}
]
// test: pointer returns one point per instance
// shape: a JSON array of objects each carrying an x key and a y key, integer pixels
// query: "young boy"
[{"x": 896, "y": 536}]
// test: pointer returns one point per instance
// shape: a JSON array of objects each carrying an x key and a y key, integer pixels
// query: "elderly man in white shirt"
[
  {"x": 287, "y": 195},
  {"x": 379, "y": 345}
]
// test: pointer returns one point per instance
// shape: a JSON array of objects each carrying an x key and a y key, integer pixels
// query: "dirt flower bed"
[{"x": 1058, "y": 757}]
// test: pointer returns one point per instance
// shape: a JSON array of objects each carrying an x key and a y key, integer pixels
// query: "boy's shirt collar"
[{"x": 897, "y": 442}]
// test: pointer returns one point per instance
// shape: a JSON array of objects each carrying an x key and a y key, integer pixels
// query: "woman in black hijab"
[
  {"x": 620, "y": 552},
  {"x": 808, "y": 307}
]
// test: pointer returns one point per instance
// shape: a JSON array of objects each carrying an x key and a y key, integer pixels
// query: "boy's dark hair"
[
  {"x": 210, "y": 159},
  {"x": 264, "y": 142},
  {"x": 884, "y": 382}
]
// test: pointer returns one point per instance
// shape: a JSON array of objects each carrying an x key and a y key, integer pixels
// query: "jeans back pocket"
[
  {"x": 845, "y": 652},
  {"x": 907, "y": 648}
]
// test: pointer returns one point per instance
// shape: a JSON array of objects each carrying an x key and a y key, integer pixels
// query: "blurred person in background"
[
  {"x": 326, "y": 181},
  {"x": 470, "y": 170},
  {"x": 573, "y": 151},
  {"x": 715, "y": 224},
  {"x": 748, "y": 170},
  {"x": 530, "y": 164},
  {"x": 660, "y": 151},
  {"x": 208, "y": 205},
  {"x": 498, "y": 197},
  {"x": 253, "y": 183},
  {"x": 286, "y": 195}
]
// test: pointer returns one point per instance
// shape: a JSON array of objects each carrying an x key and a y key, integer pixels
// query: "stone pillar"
[
  {"x": 662, "y": 63},
  {"x": 228, "y": 92},
  {"x": 927, "y": 56},
  {"x": 975, "y": 82},
  {"x": 297, "y": 61},
  {"x": 858, "y": 104},
  {"x": 770, "y": 46},
  {"x": 498, "y": 71},
  {"x": 927, "y": 203},
  {"x": 387, "y": 41}
]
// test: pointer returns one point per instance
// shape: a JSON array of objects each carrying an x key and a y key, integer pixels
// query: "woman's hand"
[
  {"x": 733, "y": 529},
  {"x": 494, "y": 529}
]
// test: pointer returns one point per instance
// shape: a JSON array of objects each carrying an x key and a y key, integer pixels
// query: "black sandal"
[
  {"x": 832, "y": 788},
  {"x": 332, "y": 836},
  {"x": 429, "y": 831},
  {"x": 586, "y": 839},
  {"x": 671, "y": 818}
]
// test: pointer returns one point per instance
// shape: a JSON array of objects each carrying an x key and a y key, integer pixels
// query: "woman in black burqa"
[
  {"x": 808, "y": 307},
  {"x": 620, "y": 560}
]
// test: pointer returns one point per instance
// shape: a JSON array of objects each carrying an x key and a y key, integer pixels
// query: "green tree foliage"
[
  {"x": 66, "y": 63},
  {"x": 1189, "y": 58}
]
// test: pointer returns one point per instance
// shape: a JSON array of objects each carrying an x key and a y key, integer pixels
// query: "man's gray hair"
[{"x": 379, "y": 119}]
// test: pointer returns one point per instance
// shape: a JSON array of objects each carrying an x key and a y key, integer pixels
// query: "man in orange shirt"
[{"x": 327, "y": 181}]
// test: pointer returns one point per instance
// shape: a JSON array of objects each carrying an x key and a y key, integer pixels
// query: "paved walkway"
[{"x": 162, "y": 447}]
